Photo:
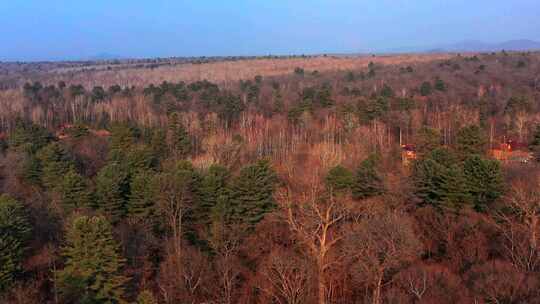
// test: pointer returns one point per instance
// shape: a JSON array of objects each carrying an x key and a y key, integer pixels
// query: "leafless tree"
[
  {"x": 520, "y": 227},
  {"x": 379, "y": 243},
  {"x": 316, "y": 219},
  {"x": 173, "y": 199},
  {"x": 285, "y": 278}
]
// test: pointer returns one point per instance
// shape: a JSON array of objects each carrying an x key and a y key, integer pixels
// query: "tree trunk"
[
  {"x": 377, "y": 289},
  {"x": 321, "y": 282}
]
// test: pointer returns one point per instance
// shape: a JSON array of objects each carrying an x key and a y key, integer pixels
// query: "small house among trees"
[
  {"x": 512, "y": 151},
  {"x": 408, "y": 154}
]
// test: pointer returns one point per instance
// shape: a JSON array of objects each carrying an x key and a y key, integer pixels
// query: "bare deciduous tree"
[
  {"x": 381, "y": 242},
  {"x": 285, "y": 278},
  {"x": 316, "y": 219},
  {"x": 520, "y": 227}
]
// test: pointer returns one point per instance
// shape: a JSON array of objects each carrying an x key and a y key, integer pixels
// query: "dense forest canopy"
[{"x": 393, "y": 182}]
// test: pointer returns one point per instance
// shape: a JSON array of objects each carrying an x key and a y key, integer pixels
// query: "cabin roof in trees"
[
  {"x": 102, "y": 133},
  {"x": 408, "y": 154},
  {"x": 512, "y": 151},
  {"x": 408, "y": 147},
  {"x": 61, "y": 133}
]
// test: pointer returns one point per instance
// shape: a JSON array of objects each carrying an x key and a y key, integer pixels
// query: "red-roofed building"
[
  {"x": 408, "y": 154},
  {"x": 512, "y": 151}
]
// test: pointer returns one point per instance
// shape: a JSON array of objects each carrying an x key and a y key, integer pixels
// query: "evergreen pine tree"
[
  {"x": 427, "y": 179},
  {"x": 387, "y": 91},
  {"x": 158, "y": 143},
  {"x": 140, "y": 157},
  {"x": 29, "y": 137},
  {"x": 213, "y": 189},
  {"x": 470, "y": 140},
  {"x": 453, "y": 193},
  {"x": 123, "y": 137},
  {"x": 112, "y": 190},
  {"x": 180, "y": 140},
  {"x": 367, "y": 180},
  {"x": 427, "y": 139},
  {"x": 92, "y": 272},
  {"x": 31, "y": 170},
  {"x": 55, "y": 162},
  {"x": 73, "y": 191},
  {"x": 339, "y": 179},
  {"x": 426, "y": 89},
  {"x": 440, "y": 85},
  {"x": 14, "y": 235},
  {"x": 439, "y": 180},
  {"x": 252, "y": 192},
  {"x": 141, "y": 197},
  {"x": 484, "y": 180}
]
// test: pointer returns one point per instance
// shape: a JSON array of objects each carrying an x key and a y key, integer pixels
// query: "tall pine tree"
[
  {"x": 470, "y": 140},
  {"x": 55, "y": 162},
  {"x": 213, "y": 189},
  {"x": 252, "y": 192},
  {"x": 179, "y": 138},
  {"x": 14, "y": 235},
  {"x": 484, "y": 180},
  {"x": 142, "y": 195},
  {"x": 74, "y": 192},
  {"x": 367, "y": 180},
  {"x": 112, "y": 190},
  {"x": 92, "y": 272}
]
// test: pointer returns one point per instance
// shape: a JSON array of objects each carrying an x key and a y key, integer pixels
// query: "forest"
[{"x": 392, "y": 180}]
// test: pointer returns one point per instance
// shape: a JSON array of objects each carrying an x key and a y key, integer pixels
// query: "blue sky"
[{"x": 73, "y": 29}]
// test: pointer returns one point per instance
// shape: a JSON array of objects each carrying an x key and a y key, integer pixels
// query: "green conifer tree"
[
  {"x": 55, "y": 162},
  {"x": 142, "y": 195},
  {"x": 74, "y": 192},
  {"x": 339, "y": 179},
  {"x": 470, "y": 140},
  {"x": 15, "y": 232},
  {"x": 427, "y": 139},
  {"x": 367, "y": 180},
  {"x": 112, "y": 190},
  {"x": 158, "y": 143},
  {"x": 440, "y": 85},
  {"x": 29, "y": 137},
  {"x": 484, "y": 180},
  {"x": 426, "y": 89},
  {"x": 179, "y": 138},
  {"x": 92, "y": 272},
  {"x": 213, "y": 189},
  {"x": 252, "y": 192},
  {"x": 123, "y": 137},
  {"x": 439, "y": 180}
]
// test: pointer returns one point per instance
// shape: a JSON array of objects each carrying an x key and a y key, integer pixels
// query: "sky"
[{"x": 32, "y": 30}]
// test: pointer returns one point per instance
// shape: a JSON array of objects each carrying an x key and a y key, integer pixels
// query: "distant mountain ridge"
[{"x": 474, "y": 46}]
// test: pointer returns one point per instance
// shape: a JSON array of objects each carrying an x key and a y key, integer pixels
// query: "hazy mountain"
[
  {"x": 479, "y": 46},
  {"x": 473, "y": 46}
]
